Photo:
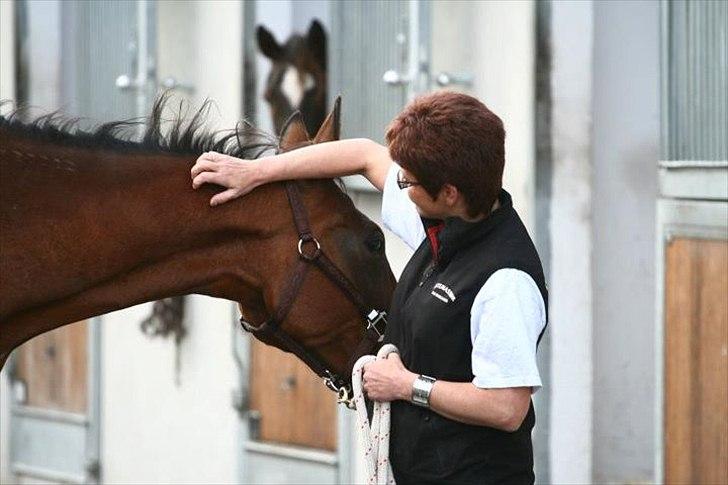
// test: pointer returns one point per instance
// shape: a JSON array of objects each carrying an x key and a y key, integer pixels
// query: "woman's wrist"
[
  {"x": 406, "y": 382},
  {"x": 263, "y": 171}
]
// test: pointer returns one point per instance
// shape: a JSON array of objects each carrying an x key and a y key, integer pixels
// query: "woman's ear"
[{"x": 451, "y": 195}]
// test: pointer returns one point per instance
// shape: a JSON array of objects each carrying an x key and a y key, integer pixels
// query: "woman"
[{"x": 469, "y": 308}]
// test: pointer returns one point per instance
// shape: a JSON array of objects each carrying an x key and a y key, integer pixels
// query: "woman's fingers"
[
  {"x": 236, "y": 175},
  {"x": 225, "y": 196},
  {"x": 208, "y": 161},
  {"x": 202, "y": 165},
  {"x": 206, "y": 178}
]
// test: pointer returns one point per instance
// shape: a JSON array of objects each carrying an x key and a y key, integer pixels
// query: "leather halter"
[{"x": 310, "y": 253}]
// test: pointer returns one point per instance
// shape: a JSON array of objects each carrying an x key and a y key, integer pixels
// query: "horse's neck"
[{"x": 89, "y": 231}]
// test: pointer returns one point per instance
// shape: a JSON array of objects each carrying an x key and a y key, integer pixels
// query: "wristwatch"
[{"x": 421, "y": 390}]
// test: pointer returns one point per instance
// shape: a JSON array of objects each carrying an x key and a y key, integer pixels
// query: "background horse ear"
[
  {"x": 331, "y": 127},
  {"x": 268, "y": 44},
  {"x": 293, "y": 134},
  {"x": 316, "y": 41}
]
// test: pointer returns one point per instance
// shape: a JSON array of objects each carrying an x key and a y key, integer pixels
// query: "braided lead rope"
[{"x": 374, "y": 438}]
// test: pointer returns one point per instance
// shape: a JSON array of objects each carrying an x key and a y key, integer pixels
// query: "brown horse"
[
  {"x": 297, "y": 79},
  {"x": 92, "y": 223}
]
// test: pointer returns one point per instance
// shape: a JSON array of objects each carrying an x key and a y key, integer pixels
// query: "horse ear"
[
  {"x": 316, "y": 40},
  {"x": 268, "y": 44},
  {"x": 331, "y": 127},
  {"x": 293, "y": 134}
]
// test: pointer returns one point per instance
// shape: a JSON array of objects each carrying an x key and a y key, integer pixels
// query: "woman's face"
[{"x": 426, "y": 206}]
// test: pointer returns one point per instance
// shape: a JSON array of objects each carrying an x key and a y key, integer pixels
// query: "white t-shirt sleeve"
[
  {"x": 506, "y": 319},
  {"x": 399, "y": 213}
]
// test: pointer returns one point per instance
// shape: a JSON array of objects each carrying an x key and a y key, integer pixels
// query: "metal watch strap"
[{"x": 421, "y": 390}]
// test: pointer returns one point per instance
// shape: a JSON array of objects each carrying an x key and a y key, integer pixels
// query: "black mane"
[{"x": 182, "y": 136}]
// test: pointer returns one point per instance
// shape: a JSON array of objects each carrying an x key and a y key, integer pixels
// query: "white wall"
[
  {"x": 7, "y": 92},
  {"x": 570, "y": 283},
  {"x": 503, "y": 54},
  {"x": 494, "y": 41},
  {"x": 172, "y": 431},
  {"x": 7, "y": 50},
  {"x": 155, "y": 430},
  {"x": 626, "y": 149},
  {"x": 201, "y": 42}
]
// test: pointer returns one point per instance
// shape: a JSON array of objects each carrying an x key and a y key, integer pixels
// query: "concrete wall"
[
  {"x": 200, "y": 42},
  {"x": 605, "y": 133},
  {"x": 570, "y": 282},
  {"x": 495, "y": 42},
  {"x": 158, "y": 425},
  {"x": 7, "y": 50},
  {"x": 503, "y": 53},
  {"x": 626, "y": 135},
  {"x": 7, "y": 92},
  {"x": 173, "y": 427}
]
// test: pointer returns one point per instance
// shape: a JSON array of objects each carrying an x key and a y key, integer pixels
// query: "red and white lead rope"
[{"x": 374, "y": 438}]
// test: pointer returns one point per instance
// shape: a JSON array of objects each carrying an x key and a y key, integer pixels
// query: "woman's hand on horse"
[
  {"x": 388, "y": 379},
  {"x": 238, "y": 176}
]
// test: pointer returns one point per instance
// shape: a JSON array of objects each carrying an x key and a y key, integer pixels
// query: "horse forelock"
[{"x": 180, "y": 135}]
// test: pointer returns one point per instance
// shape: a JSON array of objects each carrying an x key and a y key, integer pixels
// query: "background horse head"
[
  {"x": 297, "y": 79},
  {"x": 93, "y": 222}
]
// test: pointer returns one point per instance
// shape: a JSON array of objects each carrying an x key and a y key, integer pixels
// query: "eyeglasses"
[{"x": 403, "y": 183}]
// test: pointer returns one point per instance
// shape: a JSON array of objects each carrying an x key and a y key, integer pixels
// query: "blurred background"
[{"x": 616, "y": 116}]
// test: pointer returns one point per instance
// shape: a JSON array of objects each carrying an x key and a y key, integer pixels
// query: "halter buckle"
[
  {"x": 249, "y": 327},
  {"x": 343, "y": 392},
  {"x": 346, "y": 397},
  {"x": 375, "y": 318}
]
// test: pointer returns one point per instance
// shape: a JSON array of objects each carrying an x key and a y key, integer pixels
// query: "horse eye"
[{"x": 375, "y": 243}]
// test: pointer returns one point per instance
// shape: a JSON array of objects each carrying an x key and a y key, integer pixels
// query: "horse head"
[
  {"x": 308, "y": 307},
  {"x": 297, "y": 79}
]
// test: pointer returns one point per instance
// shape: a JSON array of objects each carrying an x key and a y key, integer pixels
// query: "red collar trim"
[{"x": 432, "y": 233}]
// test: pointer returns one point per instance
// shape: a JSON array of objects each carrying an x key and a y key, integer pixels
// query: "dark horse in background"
[
  {"x": 297, "y": 79},
  {"x": 93, "y": 222}
]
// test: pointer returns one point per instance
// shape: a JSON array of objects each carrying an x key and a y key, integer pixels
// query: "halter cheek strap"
[{"x": 310, "y": 253}]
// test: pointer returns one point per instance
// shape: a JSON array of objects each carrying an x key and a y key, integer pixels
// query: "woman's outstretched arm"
[{"x": 323, "y": 160}]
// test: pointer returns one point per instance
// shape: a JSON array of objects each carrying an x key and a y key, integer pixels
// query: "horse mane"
[
  {"x": 187, "y": 137},
  {"x": 182, "y": 136}
]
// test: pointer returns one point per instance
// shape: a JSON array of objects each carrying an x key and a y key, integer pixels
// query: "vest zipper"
[{"x": 427, "y": 273}]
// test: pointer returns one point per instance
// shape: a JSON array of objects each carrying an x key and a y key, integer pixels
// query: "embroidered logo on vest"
[{"x": 442, "y": 292}]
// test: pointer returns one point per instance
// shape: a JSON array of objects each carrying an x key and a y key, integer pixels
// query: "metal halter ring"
[
  {"x": 343, "y": 392},
  {"x": 346, "y": 398},
  {"x": 305, "y": 240}
]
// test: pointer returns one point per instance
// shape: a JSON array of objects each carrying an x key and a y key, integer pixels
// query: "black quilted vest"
[{"x": 429, "y": 321}]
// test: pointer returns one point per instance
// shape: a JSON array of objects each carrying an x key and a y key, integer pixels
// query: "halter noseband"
[{"x": 310, "y": 253}]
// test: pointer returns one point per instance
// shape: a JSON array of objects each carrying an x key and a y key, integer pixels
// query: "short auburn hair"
[{"x": 448, "y": 137}]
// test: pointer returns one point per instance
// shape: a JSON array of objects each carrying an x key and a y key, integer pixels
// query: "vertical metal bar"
[
  {"x": 722, "y": 88},
  {"x": 678, "y": 85},
  {"x": 700, "y": 73},
  {"x": 93, "y": 376},
  {"x": 249, "y": 63},
  {"x": 707, "y": 75},
  {"x": 664, "y": 80},
  {"x": 690, "y": 77},
  {"x": 413, "y": 54},
  {"x": 142, "y": 58}
]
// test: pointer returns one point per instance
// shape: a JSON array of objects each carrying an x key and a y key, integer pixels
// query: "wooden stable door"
[
  {"x": 52, "y": 370},
  {"x": 54, "y": 409},
  {"x": 696, "y": 361},
  {"x": 290, "y": 403}
]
